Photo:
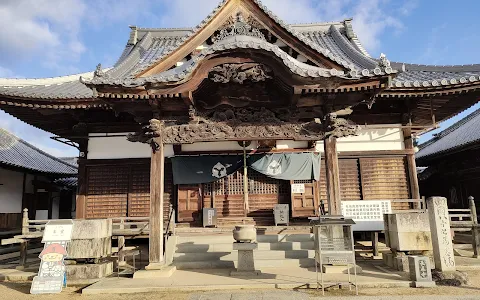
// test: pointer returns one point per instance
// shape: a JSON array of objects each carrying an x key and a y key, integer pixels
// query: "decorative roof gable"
[{"x": 254, "y": 10}]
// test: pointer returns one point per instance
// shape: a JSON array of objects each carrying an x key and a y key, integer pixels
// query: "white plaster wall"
[
  {"x": 101, "y": 146},
  {"x": 370, "y": 139},
  {"x": 217, "y": 146},
  {"x": 292, "y": 145},
  {"x": 11, "y": 187}
]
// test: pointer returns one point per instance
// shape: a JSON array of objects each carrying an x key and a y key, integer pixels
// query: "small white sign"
[
  {"x": 58, "y": 230},
  {"x": 298, "y": 188}
]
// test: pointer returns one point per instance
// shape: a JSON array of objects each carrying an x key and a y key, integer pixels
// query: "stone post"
[
  {"x": 441, "y": 235},
  {"x": 420, "y": 272}
]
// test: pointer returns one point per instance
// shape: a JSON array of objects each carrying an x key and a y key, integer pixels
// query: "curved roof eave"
[{"x": 240, "y": 42}]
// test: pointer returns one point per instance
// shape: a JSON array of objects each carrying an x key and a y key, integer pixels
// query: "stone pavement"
[
  {"x": 271, "y": 278},
  {"x": 287, "y": 295}
]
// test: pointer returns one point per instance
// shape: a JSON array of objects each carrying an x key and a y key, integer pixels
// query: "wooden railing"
[
  {"x": 465, "y": 220},
  {"x": 31, "y": 230},
  {"x": 415, "y": 205}
]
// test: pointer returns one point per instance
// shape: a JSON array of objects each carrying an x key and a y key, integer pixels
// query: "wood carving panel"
[{"x": 243, "y": 124}]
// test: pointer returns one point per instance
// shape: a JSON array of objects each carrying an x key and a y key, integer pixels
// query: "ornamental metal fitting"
[{"x": 239, "y": 27}]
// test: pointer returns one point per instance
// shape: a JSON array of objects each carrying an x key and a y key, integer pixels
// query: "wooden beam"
[
  {"x": 333, "y": 176},
  {"x": 411, "y": 164},
  {"x": 157, "y": 166}
]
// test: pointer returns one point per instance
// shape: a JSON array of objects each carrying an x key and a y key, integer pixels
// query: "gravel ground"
[{"x": 20, "y": 291}]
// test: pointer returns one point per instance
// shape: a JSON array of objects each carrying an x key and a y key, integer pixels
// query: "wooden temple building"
[
  {"x": 451, "y": 162},
  {"x": 186, "y": 114}
]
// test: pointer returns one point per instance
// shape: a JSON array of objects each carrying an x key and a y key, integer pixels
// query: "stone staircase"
[{"x": 215, "y": 251}]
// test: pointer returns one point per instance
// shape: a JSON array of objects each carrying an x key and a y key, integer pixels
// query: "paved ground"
[
  {"x": 287, "y": 295},
  {"x": 286, "y": 278}
]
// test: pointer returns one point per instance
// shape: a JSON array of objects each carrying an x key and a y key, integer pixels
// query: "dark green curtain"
[
  {"x": 287, "y": 166},
  {"x": 204, "y": 168}
]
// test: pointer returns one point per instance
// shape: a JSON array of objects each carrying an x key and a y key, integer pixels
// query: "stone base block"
[
  {"x": 424, "y": 284},
  {"x": 166, "y": 272},
  {"x": 329, "y": 269},
  {"x": 245, "y": 273},
  {"x": 388, "y": 259},
  {"x": 89, "y": 271},
  {"x": 91, "y": 248},
  {"x": 401, "y": 264},
  {"x": 245, "y": 246}
]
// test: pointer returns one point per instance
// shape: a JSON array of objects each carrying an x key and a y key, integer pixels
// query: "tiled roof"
[
  {"x": 146, "y": 46},
  {"x": 69, "y": 182},
  {"x": 411, "y": 76},
  {"x": 16, "y": 152},
  {"x": 63, "y": 87},
  {"x": 336, "y": 39},
  {"x": 464, "y": 132}
]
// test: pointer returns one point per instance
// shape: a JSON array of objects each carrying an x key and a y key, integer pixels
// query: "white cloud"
[
  {"x": 46, "y": 28},
  {"x": 371, "y": 18}
]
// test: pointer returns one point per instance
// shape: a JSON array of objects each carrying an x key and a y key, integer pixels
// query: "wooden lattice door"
[
  {"x": 189, "y": 203},
  {"x": 305, "y": 204}
]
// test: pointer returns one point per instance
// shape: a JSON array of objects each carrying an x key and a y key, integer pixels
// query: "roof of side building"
[
  {"x": 461, "y": 134},
  {"x": 17, "y": 153}
]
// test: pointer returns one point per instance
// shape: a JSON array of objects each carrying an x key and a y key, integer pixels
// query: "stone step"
[
  {"x": 220, "y": 264},
  {"x": 233, "y": 256},
  {"x": 228, "y": 238},
  {"x": 228, "y": 247}
]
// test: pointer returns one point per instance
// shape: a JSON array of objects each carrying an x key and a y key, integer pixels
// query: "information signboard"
[
  {"x": 298, "y": 188},
  {"x": 51, "y": 273}
]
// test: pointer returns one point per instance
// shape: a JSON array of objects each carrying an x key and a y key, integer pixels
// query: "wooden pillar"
[
  {"x": 50, "y": 203},
  {"x": 157, "y": 167},
  {"x": 81, "y": 201},
  {"x": 333, "y": 176},
  {"x": 245, "y": 180},
  {"x": 375, "y": 243},
  {"x": 24, "y": 244},
  {"x": 411, "y": 164}
]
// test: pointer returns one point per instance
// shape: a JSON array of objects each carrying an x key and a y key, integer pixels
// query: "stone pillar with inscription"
[
  {"x": 420, "y": 271},
  {"x": 441, "y": 235}
]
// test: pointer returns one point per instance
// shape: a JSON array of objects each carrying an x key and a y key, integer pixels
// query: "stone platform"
[{"x": 220, "y": 279}]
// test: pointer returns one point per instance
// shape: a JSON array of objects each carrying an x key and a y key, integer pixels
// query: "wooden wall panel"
[
  {"x": 169, "y": 189},
  {"x": 9, "y": 221},
  {"x": 385, "y": 179},
  {"x": 122, "y": 188},
  {"x": 107, "y": 191},
  {"x": 350, "y": 188},
  {"x": 264, "y": 193},
  {"x": 322, "y": 185},
  {"x": 139, "y": 191}
]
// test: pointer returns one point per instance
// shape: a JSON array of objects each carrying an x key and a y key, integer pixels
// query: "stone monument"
[
  {"x": 420, "y": 271},
  {"x": 441, "y": 235},
  {"x": 245, "y": 237},
  {"x": 406, "y": 234},
  {"x": 91, "y": 242}
]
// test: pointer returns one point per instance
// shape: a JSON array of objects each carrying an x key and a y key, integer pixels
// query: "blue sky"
[{"x": 45, "y": 38}]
